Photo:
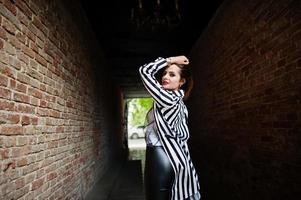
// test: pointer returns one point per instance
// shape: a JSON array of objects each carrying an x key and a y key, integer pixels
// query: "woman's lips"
[{"x": 164, "y": 82}]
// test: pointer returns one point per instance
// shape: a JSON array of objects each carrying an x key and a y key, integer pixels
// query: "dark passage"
[
  {"x": 133, "y": 32},
  {"x": 67, "y": 68}
]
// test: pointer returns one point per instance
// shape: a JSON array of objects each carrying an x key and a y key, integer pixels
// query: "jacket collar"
[{"x": 179, "y": 93}]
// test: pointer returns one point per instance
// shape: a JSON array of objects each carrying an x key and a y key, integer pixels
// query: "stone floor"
[{"x": 123, "y": 183}]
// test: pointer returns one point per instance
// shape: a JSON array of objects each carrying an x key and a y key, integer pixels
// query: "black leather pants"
[{"x": 159, "y": 175}]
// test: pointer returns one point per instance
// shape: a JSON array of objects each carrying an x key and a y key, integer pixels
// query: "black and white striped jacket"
[{"x": 171, "y": 119}]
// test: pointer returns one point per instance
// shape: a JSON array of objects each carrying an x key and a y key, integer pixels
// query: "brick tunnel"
[{"x": 62, "y": 100}]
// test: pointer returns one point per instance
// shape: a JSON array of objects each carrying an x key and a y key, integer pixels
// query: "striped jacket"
[{"x": 171, "y": 119}]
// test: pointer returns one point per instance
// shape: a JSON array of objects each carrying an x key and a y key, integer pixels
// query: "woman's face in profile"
[{"x": 171, "y": 78}]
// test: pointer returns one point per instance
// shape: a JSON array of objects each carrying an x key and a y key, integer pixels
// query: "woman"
[{"x": 169, "y": 172}]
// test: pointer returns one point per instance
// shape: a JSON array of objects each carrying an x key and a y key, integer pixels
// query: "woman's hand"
[{"x": 181, "y": 60}]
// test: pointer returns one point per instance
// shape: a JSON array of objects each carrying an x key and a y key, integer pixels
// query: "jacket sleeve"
[{"x": 161, "y": 96}]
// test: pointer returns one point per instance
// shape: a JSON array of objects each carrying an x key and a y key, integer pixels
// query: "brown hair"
[{"x": 185, "y": 73}]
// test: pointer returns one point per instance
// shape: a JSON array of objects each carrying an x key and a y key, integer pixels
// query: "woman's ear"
[{"x": 182, "y": 81}]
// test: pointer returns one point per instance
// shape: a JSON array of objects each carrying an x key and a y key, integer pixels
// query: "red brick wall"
[
  {"x": 245, "y": 110},
  {"x": 56, "y": 118}
]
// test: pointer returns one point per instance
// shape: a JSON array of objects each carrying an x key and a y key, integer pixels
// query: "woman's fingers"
[
  {"x": 179, "y": 60},
  {"x": 184, "y": 60}
]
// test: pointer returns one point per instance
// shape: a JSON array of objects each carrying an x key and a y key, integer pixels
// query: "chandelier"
[{"x": 154, "y": 14}]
